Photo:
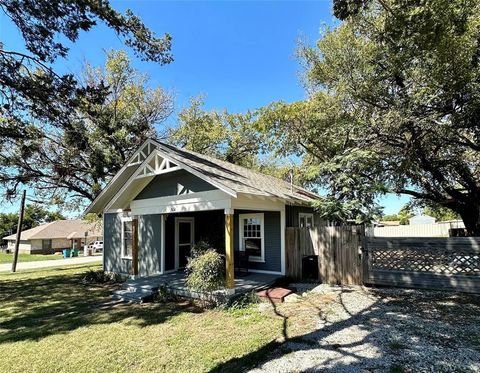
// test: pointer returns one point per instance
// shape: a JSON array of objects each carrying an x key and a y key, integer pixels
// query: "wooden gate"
[
  {"x": 424, "y": 262},
  {"x": 338, "y": 250}
]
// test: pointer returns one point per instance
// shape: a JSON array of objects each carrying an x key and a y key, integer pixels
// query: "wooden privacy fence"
[
  {"x": 338, "y": 250},
  {"x": 438, "y": 263}
]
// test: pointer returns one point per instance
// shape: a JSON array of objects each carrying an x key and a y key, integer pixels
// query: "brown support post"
[
  {"x": 229, "y": 253},
  {"x": 135, "y": 246}
]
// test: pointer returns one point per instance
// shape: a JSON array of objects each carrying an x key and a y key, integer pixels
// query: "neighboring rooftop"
[{"x": 66, "y": 229}]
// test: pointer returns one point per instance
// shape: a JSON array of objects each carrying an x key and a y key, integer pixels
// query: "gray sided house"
[{"x": 165, "y": 199}]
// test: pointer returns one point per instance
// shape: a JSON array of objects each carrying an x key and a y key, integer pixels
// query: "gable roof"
[
  {"x": 66, "y": 229},
  {"x": 226, "y": 176}
]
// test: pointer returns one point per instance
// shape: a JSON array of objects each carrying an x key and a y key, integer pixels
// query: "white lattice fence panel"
[
  {"x": 440, "y": 263},
  {"x": 426, "y": 260}
]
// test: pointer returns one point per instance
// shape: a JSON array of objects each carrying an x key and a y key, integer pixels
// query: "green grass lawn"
[
  {"x": 50, "y": 321},
  {"x": 8, "y": 258}
]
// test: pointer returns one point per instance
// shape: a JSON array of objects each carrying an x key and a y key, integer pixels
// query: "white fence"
[
  {"x": 419, "y": 230},
  {"x": 428, "y": 262}
]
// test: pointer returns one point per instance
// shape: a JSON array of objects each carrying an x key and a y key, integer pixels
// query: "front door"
[{"x": 184, "y": 240}]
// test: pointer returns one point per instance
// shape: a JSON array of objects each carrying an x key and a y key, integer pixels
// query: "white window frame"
[
  {"x": 306, "y": 215},
  {"x": 260, "y": 216},
  {"x": 178, "y": 220},
  {"x": 124, "y": 219}
]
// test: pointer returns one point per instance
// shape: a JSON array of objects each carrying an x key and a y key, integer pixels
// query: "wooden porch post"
[
  {"x": 229, "y": 253},
  {"x": 135, "y": 246}
]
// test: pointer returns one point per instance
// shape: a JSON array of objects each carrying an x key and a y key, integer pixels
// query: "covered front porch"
[
  {"x": 144, "y": 288},
  {"x": 162, "y": 242}
]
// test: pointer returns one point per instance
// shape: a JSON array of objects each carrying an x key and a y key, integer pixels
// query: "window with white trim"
[
  {"x": 127, "y": 237},
  {"x": 252, "y": 236},
  {"x": 305, "y": 220}
]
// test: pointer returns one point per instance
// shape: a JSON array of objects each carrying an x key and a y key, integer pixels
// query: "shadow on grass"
[
  {"x": 34, "y": 308},
  {"x": 378, "y": 329},
  {"x": 392, "y": 325}
]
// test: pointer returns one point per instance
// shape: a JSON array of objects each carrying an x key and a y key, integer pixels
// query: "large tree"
[
  {"x": 36, "y": 102},
  {"x": 232, "y": 137},
  {"x": 394, "y": 106},
  {"x": 69, "y": 166}
]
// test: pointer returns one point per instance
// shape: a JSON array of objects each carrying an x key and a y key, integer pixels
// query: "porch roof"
[{"x": 225, "y": 176}]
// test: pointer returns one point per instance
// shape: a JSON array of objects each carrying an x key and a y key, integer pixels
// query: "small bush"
[
  {"x": 164, "y": 295},
  {"x": 100, "y": 277},
  {"x": 200, "y": 248},
  {"x": 244, "y": 301},
  {"x": 205, "y": 273}
]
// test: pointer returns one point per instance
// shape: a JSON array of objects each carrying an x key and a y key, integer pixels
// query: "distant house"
[
  {"x": 421, "y": 219},
  {"x": 385, "y": 223},
  {"x": 54, "y": 236}
]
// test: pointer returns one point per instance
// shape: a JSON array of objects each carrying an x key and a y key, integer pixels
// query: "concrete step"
[
  {"x": 137, "y": 296},
  {"x": 140, "y": 285},
  {"x": 133, "y": 287}
]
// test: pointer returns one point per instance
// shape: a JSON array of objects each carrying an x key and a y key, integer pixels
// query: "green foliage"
[
  {"x": 46, "y": 117},
  {"x": 96, "y": 220},
  {"x": 100, "y": 277},
  {"x": 165, "y": 295},
  {"x": 61, "y": 312},
  {"x": 402, "y": 217},
  {"x": 244, "y": 301},
  {"x": 234, "y": 138},
  {"x": 405, "y": 214},
  {"x": 390, "y": 218},
  {"x": 206, "y": 272},
  {"x": 440, "y": 213},
  {"x": 34, "y": 215},
  {"x": 70, "y": 166},
  {"x": 200, "y": 248},
  {"x": 8, "y": 224},
  {"x": 42, "y": 25},
  {"x": 393, "y": 106},
  {"x": 199, "y": 130},
  {"x": 23, "y": 258}
]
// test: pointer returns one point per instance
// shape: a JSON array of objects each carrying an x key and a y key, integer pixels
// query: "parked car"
[{"x": 96, "y": 246}]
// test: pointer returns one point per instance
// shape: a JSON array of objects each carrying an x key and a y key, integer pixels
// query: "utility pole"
[{"x": 19, "y": 231}]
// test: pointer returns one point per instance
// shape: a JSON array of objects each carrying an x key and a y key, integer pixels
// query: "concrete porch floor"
[{"x": 175, "y": 281}]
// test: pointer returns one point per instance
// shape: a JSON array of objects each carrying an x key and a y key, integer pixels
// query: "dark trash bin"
[{"x": 310, "y": 268}]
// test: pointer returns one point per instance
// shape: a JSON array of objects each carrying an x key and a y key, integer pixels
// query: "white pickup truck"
[{"x": 96, "y": 246}]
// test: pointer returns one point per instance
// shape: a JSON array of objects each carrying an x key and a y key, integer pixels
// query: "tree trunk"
[{"x": 471, "y": 218}]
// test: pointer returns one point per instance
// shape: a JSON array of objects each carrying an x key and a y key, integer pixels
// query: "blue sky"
[{"x": 239, "y": 54}]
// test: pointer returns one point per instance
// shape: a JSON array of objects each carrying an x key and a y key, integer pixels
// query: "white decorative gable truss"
[
  {"x": 154, "y": 165},
  {"x": 150, "y": 161},
  {"x": 141, "y": 154}
]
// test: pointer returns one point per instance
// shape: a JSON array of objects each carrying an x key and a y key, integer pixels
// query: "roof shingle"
[
  {"x": 66, "y": 229},
  {"x": 238, "y": 178}
]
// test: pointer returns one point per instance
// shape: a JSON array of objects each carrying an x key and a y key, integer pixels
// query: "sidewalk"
[{"x": 52, "y": 263}]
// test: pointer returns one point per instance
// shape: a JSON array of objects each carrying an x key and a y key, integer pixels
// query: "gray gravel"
[{"x": 382, "y": 330}]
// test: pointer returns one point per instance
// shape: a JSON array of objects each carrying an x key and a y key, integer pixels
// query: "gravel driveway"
[{"x": 355, "y": 329}]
